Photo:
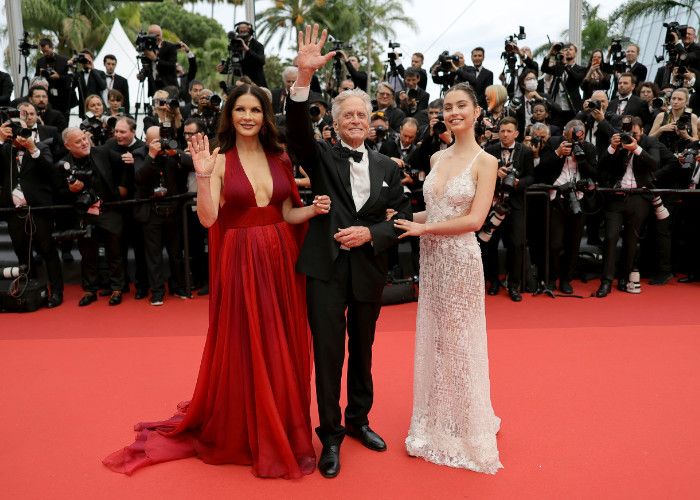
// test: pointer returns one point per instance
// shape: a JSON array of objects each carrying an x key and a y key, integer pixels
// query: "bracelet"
[{"x": 199, "y": 174}]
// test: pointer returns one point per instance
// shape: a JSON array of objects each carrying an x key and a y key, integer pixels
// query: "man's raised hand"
[{"x": 309, "y": 57}]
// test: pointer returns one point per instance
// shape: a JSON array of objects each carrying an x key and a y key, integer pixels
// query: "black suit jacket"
[
  {"x": 38, "y": 177},
  {"x": 279, "y": 98},
  {"x": 6, "y": 87},
  {"x": 108, "y": 167},
  {"x": 635, "y": 107},
  {"x": 612, "y": 167},
  {"x": 60, "y": 89},
  {"x": 96, "y": 84},
  {"x": 49, "y": 135},
  {"x": 478, "y": 83},
  {"x": 53, "y": 118},
  {"x": 184, "y": 81},
  {"x": 550, "y": 166},
  {"x": 253, "y": 62},
  {"x": 359, "y": 78},
  {"x": 574, "y": 76},
  {"x": 127, "y": 179},
  {"x": 122, "y": 85},
  {"x": 523, "y": 162},
  {"x": 330, "y": 174}
]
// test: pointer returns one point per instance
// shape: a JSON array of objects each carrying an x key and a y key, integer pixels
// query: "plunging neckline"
[
  {"x": 250, "y": 184},
  {"x": 450, "y": 179}
]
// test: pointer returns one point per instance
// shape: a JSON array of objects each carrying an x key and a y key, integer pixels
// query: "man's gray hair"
[
  {"x": 573, "y": 123},
  {"x": 347, "y": 94},
  {"x": 540, "y": 127},
  {"x": 69, "y": 131},
  {"x": 288, "y": 71}
]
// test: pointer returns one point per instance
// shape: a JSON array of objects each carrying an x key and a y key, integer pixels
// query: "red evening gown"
[{"x": 251, "y": 401}]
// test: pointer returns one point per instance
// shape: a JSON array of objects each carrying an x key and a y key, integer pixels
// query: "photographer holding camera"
[
  {"x": 161, "y": 170},
  {"x": 387, "y": 105},
  {"x": 158, "y": 58},
  {"x": 207, "y": 112},
  {"x": 515, "y": 173},
  {"x": 246, "y": 55},
  {"x": 412, "y": 99},
  {"x": 54, "y": 67},
  {"x": 95, "y": 175},
  {"x": 570, "y": 165},
  {"x": 27, "y": 178},
  {"x": 678, "y": 126},
  {"x": 39, "y": 97},
  {"x": 444, "y": 70},
  {"x": 567, "y": 78},
  {"x": 629, "y": 162},
  {"x": 96, "y": 124},
  {"x": 434, "y": 136},
  {"x": 476, "y": 75},
  {"x": 352, "y": 64},
  {"x": 379, "y": 132},
  {"x": 166, "y": 109},
  {"x": 6, "y": 87},
  {"x": 88, "y": 80},
  {"x": 524, "y": 55}
]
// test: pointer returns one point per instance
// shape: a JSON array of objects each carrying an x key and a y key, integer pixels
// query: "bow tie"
[
  {"x": 110, "y": 76},
  {"x": 624, "y": 99},
  {"x": 344, "y": 152}
]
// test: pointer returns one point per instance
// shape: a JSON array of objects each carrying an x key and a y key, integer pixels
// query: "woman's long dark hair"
[{"x": 268, "y": 136}]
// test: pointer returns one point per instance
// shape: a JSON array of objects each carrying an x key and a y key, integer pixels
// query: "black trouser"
[
  {"x": 133, "y": 237},
  {"x": 108, "y": 230},
  {"x": 565, "y": 231},
  {"x": 199, "y": 258},
  {"x": 164, "y": 230},
  {"x": 36, "y": 229},
  {"x": 512, "y": 230},
  {"x": 660, "y": 233},
  {"x": 629, "y": 211},
  {"x": 327, "y": 303}
]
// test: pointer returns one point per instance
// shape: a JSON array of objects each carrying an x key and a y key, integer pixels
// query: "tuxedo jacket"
[
  {"x": 108, "y": 172},
  {"x": 330, "y": 175},
  {"x": 122, "y": 85},
  {"x": 53, "y": 118},
  {"x": 6, "y": 87},
  {"x": 49, "y": 135},
  {"x": 550, "y": 166},
  {"x": 574, "y": 76},
  {"x": 392, "y": 148},
  {"x": 60, "y": 89},
  {"x": 478, "y": 83},
  {"x": 127, "y": 179},
  {"x": 38, "y": 177},
  {"x": 635, "y": 107},
  {"x": 96, "y": 84},
  {"x": 523, "y": 162},
  {"x": 279, "y": 99},
  {"x": 612, "y": 166}
]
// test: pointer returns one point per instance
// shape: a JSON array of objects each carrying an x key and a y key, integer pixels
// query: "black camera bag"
[{"x": 32, "y": 296}]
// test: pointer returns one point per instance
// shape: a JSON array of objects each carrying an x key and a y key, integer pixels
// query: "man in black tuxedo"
[
  {"x": 28, "y": 178},
  {"x": 626, "y": 103},
  {"x": 476, "y": 75},
  {"x": 163, "y": 60},
  {"x": 40, "y": 99},
  {"x": 115, "y": 81},
  {"x": 513, "y": 157},
  {"x": 90, "y": 80},
  {"x": 6, "y": 87},
  {"x": 41, "y": 133},
  {"x": 417, "y": 60},
  {"x": 54, "y": 67},
  {"x": 595, "y": 116},
  {"x": 344, "y": 255},
  {"x": 632, "y": 65},
  {"x": 352, "y": 64},
  {"x": 629, "y": 164},
  {"x": 103, "y": 173},
  {"x": 412, "y": 99},
  {"x": 566, "y": 87}
]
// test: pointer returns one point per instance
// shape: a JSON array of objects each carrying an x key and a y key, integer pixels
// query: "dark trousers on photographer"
[
  {"x": 107, "y": 229},
  {"x": 164, "y": 228},
  {"x": 133, "y": 237},
  {"x": 565, "y": 232},
  {"x": 657, "y": 245},
  {"x": 512, "y": 230},
  {"x": 629, "y": 211},
  {"x": 35, "y": 230}
]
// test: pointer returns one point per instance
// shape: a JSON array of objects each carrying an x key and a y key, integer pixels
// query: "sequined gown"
[{"x": 453, "y": 422}]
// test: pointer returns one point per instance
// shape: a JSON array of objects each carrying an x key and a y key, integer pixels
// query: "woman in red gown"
[{"x": 251, "y": 401}]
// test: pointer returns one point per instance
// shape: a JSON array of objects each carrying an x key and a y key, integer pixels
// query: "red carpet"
[{"x": 599, "y": 399}]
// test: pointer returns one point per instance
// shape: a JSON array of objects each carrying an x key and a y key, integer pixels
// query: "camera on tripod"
[
  {"x": 510, "y": 49},
  {"x": 25, "y": 46},
  {"x": 617, "y": 53},
  {"x": 392, "y": 55},
  {"x": 145, "y": 42},
  {"x": 446, "y": 61},
  {"x": 87, "y": 196}
]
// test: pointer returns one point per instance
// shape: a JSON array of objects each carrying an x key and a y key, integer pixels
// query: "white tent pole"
[{"x": 15, "y": 30}]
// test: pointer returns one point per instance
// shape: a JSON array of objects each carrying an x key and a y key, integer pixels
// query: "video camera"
[
  {"x": 87, "y": 197},
  {"x": 145, "y": 41},
  {"x": 617, "y": 53},
  {"x": 392, "y": 55},
  {"x": 446, "y": 60},
  {"x": 510, "y": 50},
  {"x": 25, "y": 46}
]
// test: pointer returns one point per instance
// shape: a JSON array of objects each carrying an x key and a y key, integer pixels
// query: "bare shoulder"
[
  {"x": 437, "y": 155},
  {"x": 485, "y": 165}
]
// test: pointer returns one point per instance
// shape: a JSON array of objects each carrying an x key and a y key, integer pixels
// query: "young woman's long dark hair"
[{"x": 269, "y": 137}]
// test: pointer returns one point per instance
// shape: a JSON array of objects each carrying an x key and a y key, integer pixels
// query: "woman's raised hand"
[
  {"x": 309, "y": 57},
  {"x": 204, "y": 162}
]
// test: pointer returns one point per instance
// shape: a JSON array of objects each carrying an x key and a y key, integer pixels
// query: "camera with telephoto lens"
[
  {"x": 689, "y": 154},
  {"x": 570, "y": 189},
  {"x": 684, "y": 122},
  {"x": 439, "y": 127},
  {"x": 446, "y": 60},
  {"x": 381, "y": 132},
  {"x": 7, "y": 113},
  {"x": 514, "y": 104},
  {"x": 680, "y": 30},
  {"x": 594, "y": 104},
  {"x": 171, "y": 103},
  {"x": 315, "y": 112},
  {"x": 626, "y": 130},
  {"x": 658, "y": 102},
  {"x": 87, "y": 196},
  {"x": 660, "y": 211},
  {"x": 412, "y": 93},
  {"x": 493, "y": 220},
  {"x": 18, "y": 130},
  {"x": 94, "y": 126},
  {"x": 168, "y": 140},
  {"x": 509, "y": 181}
]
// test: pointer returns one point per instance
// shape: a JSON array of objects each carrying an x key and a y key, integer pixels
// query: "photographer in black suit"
[
  {"x": 413, "y": 99},
  {"x": 516, "y": 160},
  {"x": 161, "y": 170},
  {"x": 345, "y": 252},
  {"x": 626, "y": 103},
  {"x": 6, "y": 87},
  {"x": 162, "y": 62},
  {"x": 477, "y": 76},
  {"x": 27, "y": 178},
  {"x": 41, "y": 133},
  {"x": 115, "y": 81},
  {"x": 40, "y": 99},
  {"x": 54, "y": 67},
  {"x": 93, "y": 176},
  {"x": 629, "y": 162},
  {"x": 89, "y": 80},
  {"x": 560, "y": 62},
  {"x": 572, "y": 161},
  {"x": 253, "y": 53}
]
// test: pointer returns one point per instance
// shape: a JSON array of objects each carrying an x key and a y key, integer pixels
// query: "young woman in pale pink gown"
[{"x": 453, "y": 422}]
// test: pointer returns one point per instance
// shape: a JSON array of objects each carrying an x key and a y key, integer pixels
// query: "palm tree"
[
  {"x": 637, "y": 9},
  {"x": 286, "y": 17}
]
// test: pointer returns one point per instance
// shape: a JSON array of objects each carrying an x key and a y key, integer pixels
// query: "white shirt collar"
[{"x": 361, "y": 148}]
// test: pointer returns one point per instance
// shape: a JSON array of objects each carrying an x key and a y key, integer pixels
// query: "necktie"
[{"x": 344, "y": 152}]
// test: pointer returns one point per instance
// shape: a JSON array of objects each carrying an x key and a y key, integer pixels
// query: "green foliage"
[
  {"x": 193, "y": 29},
  {"x": 632, "y": 10}
]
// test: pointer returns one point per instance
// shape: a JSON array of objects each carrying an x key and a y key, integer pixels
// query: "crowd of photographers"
[{"x": 558, "y": 128}]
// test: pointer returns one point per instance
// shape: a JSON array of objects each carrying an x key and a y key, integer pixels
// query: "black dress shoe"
[
  {"x": 661, "y": 279},
  {"x": 494, "y": 288},
  {"x": 115, "y": 299},
  {"x": 514, "y": 295},
  {"x": 204, "y": 290},
  {"x": 367, "y": 437},
  {"x": 141, "y": 293},
  {"x": 87, "y": 299},
  {"x": 329, "y": 463},
  {"x": 622, "y": 284},
  {"x": 565, "y": 287},
  {"x": 691, "y": 278},
  {"x": 55, "y": 300},
  {"x": 603, "y": 289},
  {"x": 105, "y": 293}
]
